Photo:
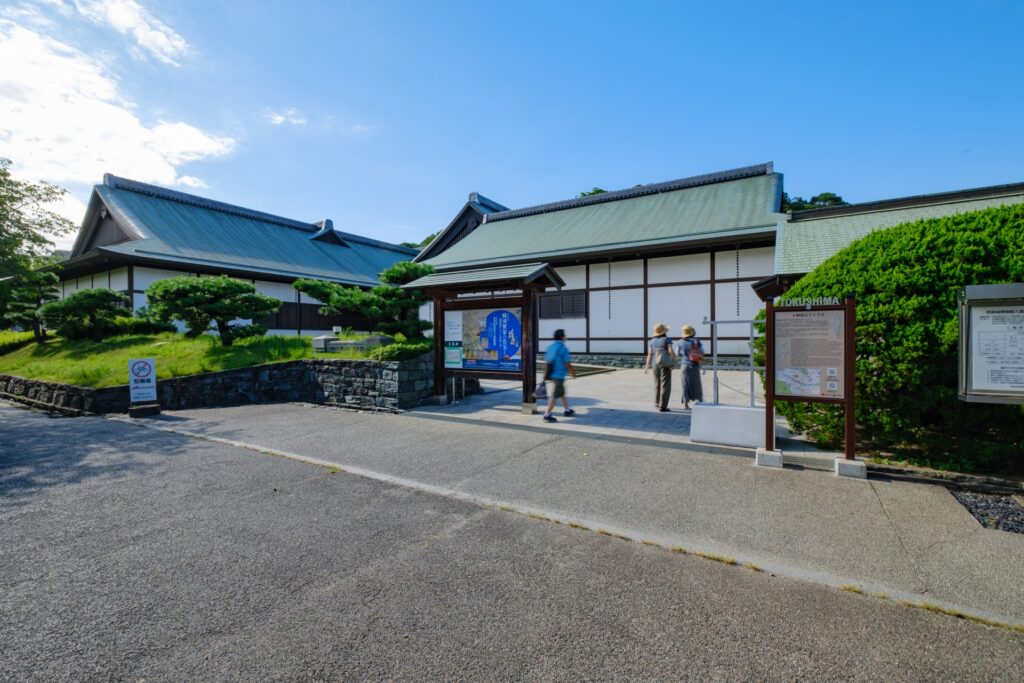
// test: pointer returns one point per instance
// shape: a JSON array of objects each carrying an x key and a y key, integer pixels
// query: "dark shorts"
[{"x": 558, "y": 388}]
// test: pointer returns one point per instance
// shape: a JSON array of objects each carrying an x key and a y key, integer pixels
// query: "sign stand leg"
[{"x": 768, "y": 456}]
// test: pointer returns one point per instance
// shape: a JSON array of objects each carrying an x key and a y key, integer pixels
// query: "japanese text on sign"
[{"x": 809, "y": 353}]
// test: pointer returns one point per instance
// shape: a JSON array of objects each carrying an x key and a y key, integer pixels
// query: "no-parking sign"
[{"x": 142, "y": 380}]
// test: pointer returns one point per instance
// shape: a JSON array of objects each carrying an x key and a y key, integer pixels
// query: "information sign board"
[
  {"x": 483, "y": 339},
  {"x": 142, "y": 380},
  {"x": 992, "y": 343},
  {"x": 809, "y": 348}
]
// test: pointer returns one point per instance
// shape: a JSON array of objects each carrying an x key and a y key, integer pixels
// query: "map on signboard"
[
  {"x": 997, "y": 349},
  {"x": 809, "y": 353}
]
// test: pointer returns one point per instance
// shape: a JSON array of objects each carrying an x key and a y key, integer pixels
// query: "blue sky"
[{"x": 384, "y": 115}]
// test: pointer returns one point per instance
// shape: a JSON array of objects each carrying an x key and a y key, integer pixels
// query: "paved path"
[
  {"x": 617, "y": 403},
  {"x": 905, "y": 540},
  {"x": 130, "y": 554}
]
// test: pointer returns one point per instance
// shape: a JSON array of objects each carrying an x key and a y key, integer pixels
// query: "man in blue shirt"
[{"x": 559, "y": 364}]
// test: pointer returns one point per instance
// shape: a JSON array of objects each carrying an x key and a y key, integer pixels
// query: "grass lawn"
[{"x": 104, "y": 364}]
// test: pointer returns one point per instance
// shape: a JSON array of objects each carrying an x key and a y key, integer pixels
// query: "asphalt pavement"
[{"x": 131, "y": 554}]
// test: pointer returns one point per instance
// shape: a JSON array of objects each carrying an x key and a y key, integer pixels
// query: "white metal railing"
[{"x": 750, "y": 367}]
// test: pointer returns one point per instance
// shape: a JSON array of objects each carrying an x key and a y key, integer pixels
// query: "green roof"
[
  {"x": 521, "y": 274},
  {"x": 175, "y": 227},
  {"x": 803, "y": 244},
  {"x": 705, "y": 207}
]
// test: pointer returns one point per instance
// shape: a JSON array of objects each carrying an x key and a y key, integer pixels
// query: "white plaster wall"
[
  {"x": 676, "y": 306},
  {"x": 278, "y": 290},
  {"x": 627, "y": 273},
  {"x": 575, "y": 345},
  {"x": 727, "y": 347},
  {"x": 306, "y": 298},
  {"x": 614, "y": 346},
  {"x": 726, "y": 298},
  {"x": 758, "y": 262},
  {"x": 144, "y": 276},
  {"x": 119, "y": 279},
  {"x": 138, "y": 301},
  {"x": 574, "y": 327},
  {"x": 626, "y": 318},
  {"x": 575, "y": 276},
  {"x": 679, "y": 268}
]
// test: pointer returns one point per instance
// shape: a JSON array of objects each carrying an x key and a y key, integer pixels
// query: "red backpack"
[{"x": 696, "y": 353}]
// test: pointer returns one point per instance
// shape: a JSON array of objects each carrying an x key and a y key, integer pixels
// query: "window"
[{"x": 563, "y": 305}]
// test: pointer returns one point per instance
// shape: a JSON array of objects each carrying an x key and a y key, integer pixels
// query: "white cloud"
[
  {"x": 64, "y": 119},
  {"x": 130, "y": 18},
  {"x": 360, "y": 128},
  {"x": 290, "y": 115}
]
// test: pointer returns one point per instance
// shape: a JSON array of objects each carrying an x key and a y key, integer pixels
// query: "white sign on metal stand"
[{"x": 142, "y": 380}]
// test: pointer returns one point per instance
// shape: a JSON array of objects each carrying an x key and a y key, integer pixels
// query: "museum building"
[
  {"x": 135, "y": 234},
  {"x": 709, "y": 247}
]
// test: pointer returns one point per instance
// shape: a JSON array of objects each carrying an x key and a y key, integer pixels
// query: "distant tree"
[
  {"x": 25, "y": 222},
  {"x": 89, "y": 314},
  {"x": 423, "y": 243},
  {"x": 32, "y": 290},
  {"x": 596, "y": 190},
  {"x": 389, "y": 308},
  {"x": 201, "y": 301},
  {"x": 818, "y": 201}
]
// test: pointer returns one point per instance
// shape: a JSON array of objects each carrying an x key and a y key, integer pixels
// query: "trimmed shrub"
[
  {"x": 89, "y": 314},
  {"x": 906, "y": 281},
  {"x": 200, "y": 302},
  {"x": 141, "y": 325},
  {"x": 402, "y": 351}
]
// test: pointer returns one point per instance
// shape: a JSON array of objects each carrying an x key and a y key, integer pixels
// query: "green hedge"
[
  {"x": 400, "y": 351},
  {"x": 906, "y": 281},
  {"x": 12, "y": 341}
]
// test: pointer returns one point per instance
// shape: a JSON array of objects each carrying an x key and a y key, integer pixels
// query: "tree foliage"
[
  {"x": 591, "y": 193},
  {"x": 89, "y": 314},
  {"x": 200, "y": 302},
  {"x": 33, "y": 290},
  {"x": 25, "y": 222},
  {"x": 906, "y": 281},
  {"x": 422, "y": 243},
  {"x": 389, "y": 308},
  {"x": 818, "y": 201}
]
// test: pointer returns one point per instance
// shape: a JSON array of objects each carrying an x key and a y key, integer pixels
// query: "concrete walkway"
[
  {"x": 618, "y": 403},
  {"x": 901, "y": 540}
]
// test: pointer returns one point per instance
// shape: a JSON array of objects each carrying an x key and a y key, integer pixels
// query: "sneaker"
[
  {"x": 663, "y": 410},
  {"x": 569, "y": 412},
  {"x": 550, "y": 418}
]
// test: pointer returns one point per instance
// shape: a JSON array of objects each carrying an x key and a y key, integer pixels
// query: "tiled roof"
[
  {"x": 733, "y": 202},
  {"x": 173, "y": 226},
  {"x": 811, "y": 237}
]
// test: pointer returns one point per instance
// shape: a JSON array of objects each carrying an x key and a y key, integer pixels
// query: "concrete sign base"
[
  {"x": 727, "y": 425},
  {"x": 856, "y": 469},
  {"x": 763, "y": 458}
]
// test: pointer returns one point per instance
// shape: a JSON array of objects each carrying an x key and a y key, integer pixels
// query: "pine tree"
[{"x": 33, "y": 289}]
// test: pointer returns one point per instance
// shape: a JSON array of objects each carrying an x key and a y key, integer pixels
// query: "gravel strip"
[{"x": 994, "y": 512}]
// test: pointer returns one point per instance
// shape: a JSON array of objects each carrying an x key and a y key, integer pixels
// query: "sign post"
[
  {"x": 142, "y": 387},
  {"x": 810, "y": 358}
]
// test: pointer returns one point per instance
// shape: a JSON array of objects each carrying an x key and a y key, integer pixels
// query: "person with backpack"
[
  {"x": 659, "y": 350},
  {"x": 689, "y": 349},
  {"x": 558, "y": 362}
]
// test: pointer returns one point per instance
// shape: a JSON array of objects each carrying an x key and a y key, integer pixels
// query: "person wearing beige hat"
[
  {"x": 659, "y": 349},
  {"x": 691, "y": 352}
]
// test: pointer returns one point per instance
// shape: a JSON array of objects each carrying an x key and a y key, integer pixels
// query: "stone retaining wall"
[{"x": 388, "y": 385}]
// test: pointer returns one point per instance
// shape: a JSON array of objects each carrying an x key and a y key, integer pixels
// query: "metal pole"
[
  {"x": 769, "y": 376},
  {"x": 750, "y": 345},
  {"x": 849, "y": 379},
  {"x": 714, "y": 357}
]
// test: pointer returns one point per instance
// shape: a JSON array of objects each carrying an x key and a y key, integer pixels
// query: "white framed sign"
[
  {"x": 992, "y": 343},
  {"x": 142, "y": 380}
]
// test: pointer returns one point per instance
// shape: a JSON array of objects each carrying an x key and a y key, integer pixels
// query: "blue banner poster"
[{"x": 492, "y": 340}]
